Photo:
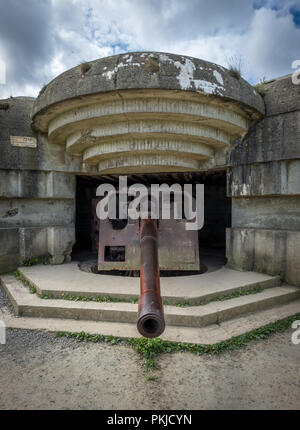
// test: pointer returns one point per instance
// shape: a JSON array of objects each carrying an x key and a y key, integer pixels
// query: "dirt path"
[{"x": 40, "y": 371}]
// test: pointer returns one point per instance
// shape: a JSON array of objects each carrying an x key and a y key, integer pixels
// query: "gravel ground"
[
  {"x": 4, "y": 301},
  {"x": 39, "y": 371}
]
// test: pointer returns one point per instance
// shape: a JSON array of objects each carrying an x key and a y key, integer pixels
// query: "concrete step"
[
  {"x": 68, "y": 279},
  {"x": 31, "y": 305},
  {"x": 204, "y": 335}
]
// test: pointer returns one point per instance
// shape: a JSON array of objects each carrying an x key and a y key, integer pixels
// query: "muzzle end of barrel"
[{"x": 151, "y": 325}]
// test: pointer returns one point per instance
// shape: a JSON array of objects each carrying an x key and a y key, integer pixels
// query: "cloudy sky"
[{"x": 40, "y": 39}]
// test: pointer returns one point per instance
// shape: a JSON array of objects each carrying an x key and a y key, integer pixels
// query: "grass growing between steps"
[
  {"x": 64, "y": 296},
  {"x": 238, "y": 293},
  {"x": 18, "y": 275},
  {"x": 150, "y": 349}
]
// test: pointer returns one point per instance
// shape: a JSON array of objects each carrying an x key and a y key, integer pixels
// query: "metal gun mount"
[{"x": 148, "y": 246}]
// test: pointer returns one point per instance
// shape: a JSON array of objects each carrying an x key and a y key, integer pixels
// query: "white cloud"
[
  {"x": 58, "y": 35},
  {"x": 272, "y": 44}
]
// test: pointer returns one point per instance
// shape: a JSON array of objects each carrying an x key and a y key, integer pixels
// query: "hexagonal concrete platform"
[{"x": 203, "y": 318}]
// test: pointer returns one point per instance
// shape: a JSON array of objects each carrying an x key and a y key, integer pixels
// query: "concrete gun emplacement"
[{"x": 150, "y": 248}]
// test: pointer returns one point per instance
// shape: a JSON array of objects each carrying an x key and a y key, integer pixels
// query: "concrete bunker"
[
  {"x": 122, "y": 117},
  {"x": 151, "y": 113}
]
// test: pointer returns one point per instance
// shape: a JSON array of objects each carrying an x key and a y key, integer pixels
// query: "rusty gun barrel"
[{"x": 151, "y": 321}]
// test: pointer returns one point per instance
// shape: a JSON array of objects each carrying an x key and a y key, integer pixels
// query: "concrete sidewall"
[{"x": 264, "y": 183}]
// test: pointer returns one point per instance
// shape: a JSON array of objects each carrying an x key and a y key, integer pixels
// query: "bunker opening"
[{"x": 112, "y": 246}]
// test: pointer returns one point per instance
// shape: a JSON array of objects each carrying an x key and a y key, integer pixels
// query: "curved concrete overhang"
[{"x": 147, "y": 112}]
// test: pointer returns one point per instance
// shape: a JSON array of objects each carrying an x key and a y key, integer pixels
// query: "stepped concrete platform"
[
  {"x": 203, "y": 335},
  {"x": 211, "y": 321},
  {"x": 27, "y": 304},
  {"x": 69, "y": 279}
]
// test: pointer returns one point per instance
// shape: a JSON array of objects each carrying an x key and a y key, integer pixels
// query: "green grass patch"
[
  {"x": 30, "y": 262},
  {"x": 153, "y": 64},
  {"x": 81, "y": 298},
  {"x": 85, "y": 67},
  {"x": 150, "y": 349},
  {"x": 183, "y": 303},
  {"x": 238, "y": 293},
  {"x": 86, "y": 337},
  {"x": 18, "y": 275},
  {"x": 260, "y": 89},
  {"x": 34, "y": 261},
  {"x": 151, "y": 378}
]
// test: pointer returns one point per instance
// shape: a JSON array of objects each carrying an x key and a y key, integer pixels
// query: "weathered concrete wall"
[
  {"x": 274, "y": 212},
  {"x": 143, "y": 70},
  {"x": 275, "y": 252},
  {"x": 15, "y": 120},
  {"x": 37, "y": 206},
  {"x": 264, "y": 183}
]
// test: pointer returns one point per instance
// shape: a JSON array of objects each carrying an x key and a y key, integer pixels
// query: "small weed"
[
  {"x": 43, "y": 89},
  {"x": 46, "y": 296},
  {"x": 82, "y": 336},
  {"x": 151, "y": 378},
  {"x": 153, "y": 64},
  {"x": 84, "y": 67},
  {"x": 30, "y": 262},
  {"x": 182, "y": 304},
  {"x": 166, "y": 302},
  {"x": 235, "y": 73},
  {"x": 235, "y": 64},
  {"x": 239, "y": 293},
  {"x": 261, "y": 89},
  {"x": 65, "y": 296},
  {"x": 150, "y": 364},
  {"x": 112, "y": 340},
  {"x": 18, "y": 275}
]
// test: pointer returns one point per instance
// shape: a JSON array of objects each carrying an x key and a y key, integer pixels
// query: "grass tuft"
[
  {"x": 30, "y": 262},
  {"x": 64, "y": 296},
  {"x": 18, "y": 275},
  {"x": 235, "y": 64},
  {"x": 151, "y": 378},
  {"x": 84, "y": 67},
  {"x": 153, "y": 64},
  {"x": 150, "y": 349},
  {"x": 43, "y": 89},
  {"x": 183, "y": 303}
]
